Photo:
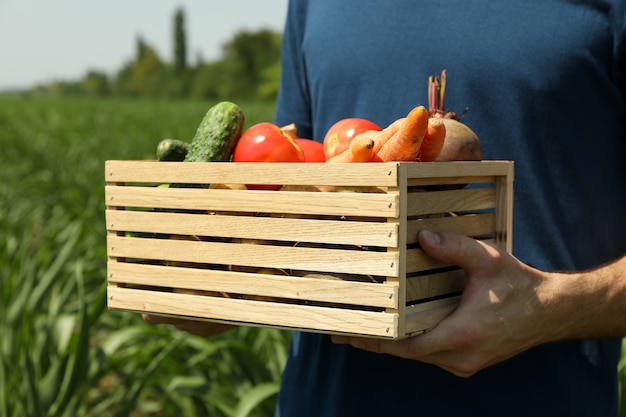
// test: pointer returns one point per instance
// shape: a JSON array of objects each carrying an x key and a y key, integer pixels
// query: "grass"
[{"x": 62, "y": 353}]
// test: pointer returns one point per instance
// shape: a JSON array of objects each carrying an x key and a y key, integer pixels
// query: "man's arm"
[{"x": 508, "y": 307}]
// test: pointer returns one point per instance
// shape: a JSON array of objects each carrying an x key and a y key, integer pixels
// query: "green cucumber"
[
  {"x": 217, "y": 134},
  {"x": 172, "y": 150}
]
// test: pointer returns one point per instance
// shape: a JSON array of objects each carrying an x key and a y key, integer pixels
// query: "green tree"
[
  {"x": 179, "y": 74},
  {"x": 140, "y": 47},
  {"x": 149, "y": 74},
  {"x": 268, "y": 87},
  {"x": 209, "y": 80},
  {"x": 247, "y": 57},
  {"x": 95, "y": 83},
  {"x": 122, "y": 85},
  {"x": 180, "y": 43},
  {"x": 145, "y": 76}
]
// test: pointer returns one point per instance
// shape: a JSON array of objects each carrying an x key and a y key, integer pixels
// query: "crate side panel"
[
  {"x": 339, "y": 232},
  {"x": 434, "y": 285},
  {"x": 268, "y": 256},
  {"x": 457, "y": 181},
  {"x": 423, "y": 317},
  {"x": 256, "y": 312},
  {"x": 432, "y": 202},
  {"x": 369, "y": 174},
  {"x": 257, "y": 284},
  {"x": 327, "y": 203},
  {"x": 469, "y": 225},
  {"x": 418, "y": 261},
  {"x": 504, "y": 218},
  {"x": 457, "y": 169}
]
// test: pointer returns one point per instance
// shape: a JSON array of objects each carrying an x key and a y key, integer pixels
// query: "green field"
[{"x": 62, "y": 353}]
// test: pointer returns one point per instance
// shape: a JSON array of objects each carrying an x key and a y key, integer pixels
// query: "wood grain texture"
[
  {"x": 258, "y": 312},
  {"x": 326, "y": 261}
]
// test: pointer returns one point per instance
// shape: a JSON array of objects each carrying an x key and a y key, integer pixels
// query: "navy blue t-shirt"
[{"x": 545, "y": 83}]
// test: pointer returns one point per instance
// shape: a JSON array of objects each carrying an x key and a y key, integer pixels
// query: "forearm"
[{"x": 589, "y": 304}]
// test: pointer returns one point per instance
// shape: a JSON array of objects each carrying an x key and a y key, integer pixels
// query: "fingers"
[
  {"x": 416, "y": 347},
  {"x": 428, "y": 348},
  {"x": 155, "y": 319},
  {"x": 392, "y": 347},
  {"x": 197, "y": 327},
  {"x": 202, "y": 328},
  {"x": 457, "y": 249}
]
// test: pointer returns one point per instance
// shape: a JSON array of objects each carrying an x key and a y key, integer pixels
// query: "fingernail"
[{"x": 432, "y": 237}]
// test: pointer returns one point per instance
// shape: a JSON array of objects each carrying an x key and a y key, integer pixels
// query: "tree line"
[{"x": 249, "y": 67}]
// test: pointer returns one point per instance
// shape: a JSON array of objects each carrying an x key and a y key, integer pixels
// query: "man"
[{"x": 546, "y": 87}]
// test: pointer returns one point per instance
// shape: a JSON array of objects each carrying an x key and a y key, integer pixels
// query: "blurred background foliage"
[
  {"x": 248, "y": 68},
  {"x": 62, "y": 352}
]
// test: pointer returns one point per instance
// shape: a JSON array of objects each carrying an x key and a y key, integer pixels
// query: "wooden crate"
[{"x": 331, "y": 262}]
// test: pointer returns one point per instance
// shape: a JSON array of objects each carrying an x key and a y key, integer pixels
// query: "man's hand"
[
  {"x": 197, "y": 327},
  {"x": 497, "y": 318}
]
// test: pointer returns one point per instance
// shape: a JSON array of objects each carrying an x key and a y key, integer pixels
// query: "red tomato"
[
  {"x": 341, "y": 133},
  {"x": 265, "y": 142},
  {"x": 313, "y": 151}
]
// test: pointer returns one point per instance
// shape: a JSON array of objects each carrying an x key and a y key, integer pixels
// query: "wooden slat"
[
  {"x": 297, "y": 288},
  {"x": 400, "y": 252},
  {"x": 295, "y": 202},
  {"x": 257, "y": 312},
  {"x": 268, "y": 256},
  {"x": 371, "y": 174},
  {"x": 434, "y": 285},
  {"x": 423, "y": 317},
  {"x": 504, "y": 213},
  {"x": 450, "y": 201},
  {"x": 338, "y": 232},
  {"x": 479, "y": 179},
  {"x": 418, "y": 261},
  {"x": 469, "y": 225},
  {"x": 457, "y": 169}
]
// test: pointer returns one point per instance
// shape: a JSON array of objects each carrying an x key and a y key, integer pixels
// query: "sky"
[{"x": 43, "y": 41}]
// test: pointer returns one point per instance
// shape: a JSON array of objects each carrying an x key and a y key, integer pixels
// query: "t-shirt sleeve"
[{"x": 294, "y": 105}]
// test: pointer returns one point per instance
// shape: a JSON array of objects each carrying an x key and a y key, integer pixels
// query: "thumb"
[{"x": 456, "y": 249}]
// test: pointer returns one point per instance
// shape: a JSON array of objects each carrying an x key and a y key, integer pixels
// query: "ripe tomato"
[
  {"x": 265, "y": 142},
  {"x": 313, "y": 151},
  {"x": 341, "y": 133}
]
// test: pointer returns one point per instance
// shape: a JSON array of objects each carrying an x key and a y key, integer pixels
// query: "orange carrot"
[
  {"x": 405, "y": 144},
  {"x": 381, "y": 137},
  {"x": 433, "y": 140},
  {"x": 361, "y": 149}
]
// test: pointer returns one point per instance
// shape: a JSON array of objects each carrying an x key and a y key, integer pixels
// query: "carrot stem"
[
  {"x": 442, "y": 91},
  {"x": 433, "y": 94},
  {"x": 437, "y": 96}
]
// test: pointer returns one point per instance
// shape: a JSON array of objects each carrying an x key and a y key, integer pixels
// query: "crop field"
[{"x": 62, "y": 353}]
